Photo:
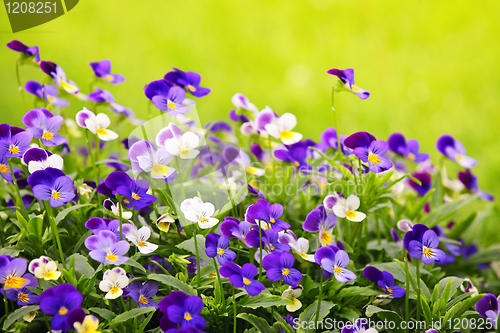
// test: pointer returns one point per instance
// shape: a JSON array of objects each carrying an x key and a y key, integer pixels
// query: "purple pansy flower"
[
  {"x": 270, "y": 238},
  {"x": 426, "y": 181},
  {"x": 487, "y": 307},
  {"x": 295, "y": 153},
  {"x": 167, "y": 98},
  {"x": 346, "y": 77},
  {"x": 163, "y": 261},
  {"x": 233, "y": 228},
  {"x": 395, "y": 236},
  {"x": 455, "y": 151},
  {"x": 422, "y": 243},
  {"x": 181, "y": 311},
  {"x": 280, "y": 266},
  {"x": 135, "y": 190},
  {"x": 101, "y": 95},
  {"x": 42, "y": 124},
  {"x": 142, "y": 294},
  {"x": 49, "y": 90},
  {"x": 14, "y": 141},
  {"x": 29, "y": 51},
  {"x": 334, "y": 261},
  {"x": 217, "y": 246},
  {"x": 5, "y": 170},
  {"x": 470, "y": 182},
  {"x": 409, "y": 149},
  {"x": 105, "y": 249},
  {"x": 319, "y": 221},
  {"x": 59, "y": 77},
  {"x": 263, "y": 210},
  {"x": 96, "y": 224},
  {"x": 53, "y": 185},
  {"x": 23, "y": 295},
  {"x": 243, "y": 277},
  {"x": 58, "y": 301},
  {"x": 329, "y": 139},
  {"x": 385, "y": 280},
  {"x": 359, "y": 326},
  {"x": 102, "y": 69},
  {"x": 11, "y": 272},
  {"x": 188, "y": 80},
  {"x": 369, "y": 150}
]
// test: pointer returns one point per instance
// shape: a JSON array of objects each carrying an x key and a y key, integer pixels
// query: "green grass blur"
[{"x": 432, "y": 66}]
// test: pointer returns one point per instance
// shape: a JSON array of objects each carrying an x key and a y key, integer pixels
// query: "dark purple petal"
[{"x": 373, "y": 274}]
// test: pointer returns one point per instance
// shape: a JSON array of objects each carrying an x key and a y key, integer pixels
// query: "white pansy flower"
[
  {"x": 97, "y": 124},
  {"x": 140, "y": 237},
  {"x": 347, "y": 208},
  {"x": 293, "y": 293},
  {"x": 281, "y": 128},
  {"x": 44, "y": 268},
  {"x": 113, "y": 282},
  {"x": 195, "y": 210}
]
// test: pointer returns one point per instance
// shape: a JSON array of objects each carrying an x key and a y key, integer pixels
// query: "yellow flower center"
[
  {"x": 111, "y": 257},
  {"x": 14, "y": 150},
  {"x": 158, "y": 170},
  {"x": 285, "y": 272},
  {"x": 459, "y": 157},
  {"x": 350, "y": 214},
  {"x": 297, "y": 163},
  {"x": 109, "y": 77},
  {"x": 252, "y": 169},
  {"x": 184, "y": 152},
  {"x": 135, "y": 196},
  {"x": 4, "y": 168},
  {"x": 47, "y": 136},
  {"x": 171, "y": 105},
  {"x": 337, "y": 270},
  {"x": 427, "y": 252},
  {"x": 15, "y": 282},
  {"x": 244, "y": 238},
  {"x": 56, "y": 195},
  {"x": 187, "y": 316},
  {"x": 115, "y": 290},
  {"x": 326, "y": 238},
  {"x": 303, "y": 255},
  {"x": 272, "y": 220},
  {"x": 101, "y": 131},
  {"x": 389, "y": 289},
  {"x": 126, "y": 201},
  {"x": 23, "y": 297},
  {"x": 203, "y": 219},
  {"x": 271, "y": 246},
  {"x": 49, "y": 275},
  {"x": 411, "y": 156},
  {"x": 286, "y": 135},
  {"x": 141, "y": 243},
  {"x": 374, "y": 158},
  {"x": 63, "y": 311},
  {"x": 143, "y": 300},
  {"x": 191, "y": 88},
  {"x": 51, "y": 99},
  {"x": 65, "y": 84},
  {"x": 247, "y": 282},
  {"x": 220, "y": 251}
]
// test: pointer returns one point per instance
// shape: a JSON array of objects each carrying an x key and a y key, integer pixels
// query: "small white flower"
[
  {"x": 293, "y": 293},
  {"x": 115, "y": 209},
  {"x": 301, "y": 246},
  {"x": 164, "y": 221},
  {"x": 347, "y": 208},
  {"x": 85, "y": 190},
  {"x": 256, "y": 171},
  {"x": 140, "y": 237},
  {"x": 195, "y": 210},
  {"x": 281, "y": 128},
  {"x": 97, "y": 124},
  {"x": 113, "y": 282},
  {"x": 178, "y": 143},
  {"x": 405, "y": 225},
  {"x": 53, "y": 161},
  {"x": 44, "y": 268}
]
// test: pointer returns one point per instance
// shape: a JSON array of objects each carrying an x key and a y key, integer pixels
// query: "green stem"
[
  {"x": 20, "y": 87},
  {"x": 197, "y": 258},
  {"x": 55, "y": 233},
  {"x": 6, "y": 304},
  {"x": 407, "y": 296},
  {"x": 336, "y": 124},
  {"x": 234, "y": 312},
  {"x": 418, "y": 290},
  {"x": 20, "y": 202},
  {"x": 121, "y": 218},
  {"x": 320, "y": 296},
  {"x": 358, "y": 245},
  {"x": 96, "y": 178},
  {"x": 260, "y": 253},
  {"x": 220, "y": 282}
]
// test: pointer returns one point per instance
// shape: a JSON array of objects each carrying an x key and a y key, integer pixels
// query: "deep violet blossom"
[
  {"x": 270, "y": 238},
  {"x": 263, "y": 210},
  {"x": 59, "y": 76},
  {"x": 233, "y": 228},
  {"x": 58, "y": 301},
  {"x": 42, "y": 124},
  {"x": 425, "y": 180},
  {"x": 455, "y": 151},
  {"x": 12, "y": 272},
  {"x": 422, "y": 243},
  {"x": 142, "y": 294},
  {"x": 295, "y": 153},
  {"x": 346, "y": 78},
  {"x": 5, "y": 169},
  {"x": 29, "y": 51},
  {"x": 96, "y": 224},
  {"x": 329, "y": 139},
  {"x": 217, "y": 246},
  {"x": 470, "y": 182},
  {"x": 166, "y": 97},
  {"x": 243, "y": 277},
  {"x": 105, "y": 249},
  {"x": 334, "y": 261},
  {"x": 187, "y": 80},
  {"x": 52, "y": 185},
  {"x": 279, "y": 265},
  {"x": 319, "y": 221},
  {"x": 369, "y": 150},
  {"x": 385, "y": 280},
  {"x": 14, "y": 141},
  {"x": 410, "y": 149},
  {"x": 488, "y": 307},
  {"x": 49, "y": 91},
  {"x": 134, "y": 190},
  {"x": 102, "y": 69},
  {"x": 181, "y": 310},
  {"x": 24, "y": 296}
]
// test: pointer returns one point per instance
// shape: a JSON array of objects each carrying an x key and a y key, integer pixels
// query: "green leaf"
[
  {"x": 413, "y": 280},
  {"x": 133, "y": 263},
  {"x": 18, "y": 314},
  {"x": 357, "y": 291},
  {"x": 453, "y": 282},
  {"x": 35, "y": 226},
  {"x": 446, "y": 211},
  {"x": 12, "y": 251},
  {"x": 129, "y": 315},
  {"x": 309, "y": 314},
  {"x": 263, "y": 300},
  {"x": 420, "y": 204},
  {"x": 62, "y": 215},
  {"x": 81, "y": 240},
  {"x": 260, "y": 324},
  {"x": 437, "y": 198},
  {"x": 82, "y": 266},
  {"x": 103, "y": 313},
  {"x": 458, "y": 309},
  {"x": 462, "y": 226},
  {"x": 145, "y": 322},
  {"x": 384, "y": 314},
  {"x": 288, "y": 328},
  {"x": 188, "y": 245},
  {"x": 22, "y": 223},
  {"x": 484, "y": 257},
  {"x": 173, "y": 282},
  {"x": 426, "y": 310}
]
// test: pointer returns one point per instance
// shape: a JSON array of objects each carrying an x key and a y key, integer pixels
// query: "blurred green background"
[{"x": 432, "y": 66}]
